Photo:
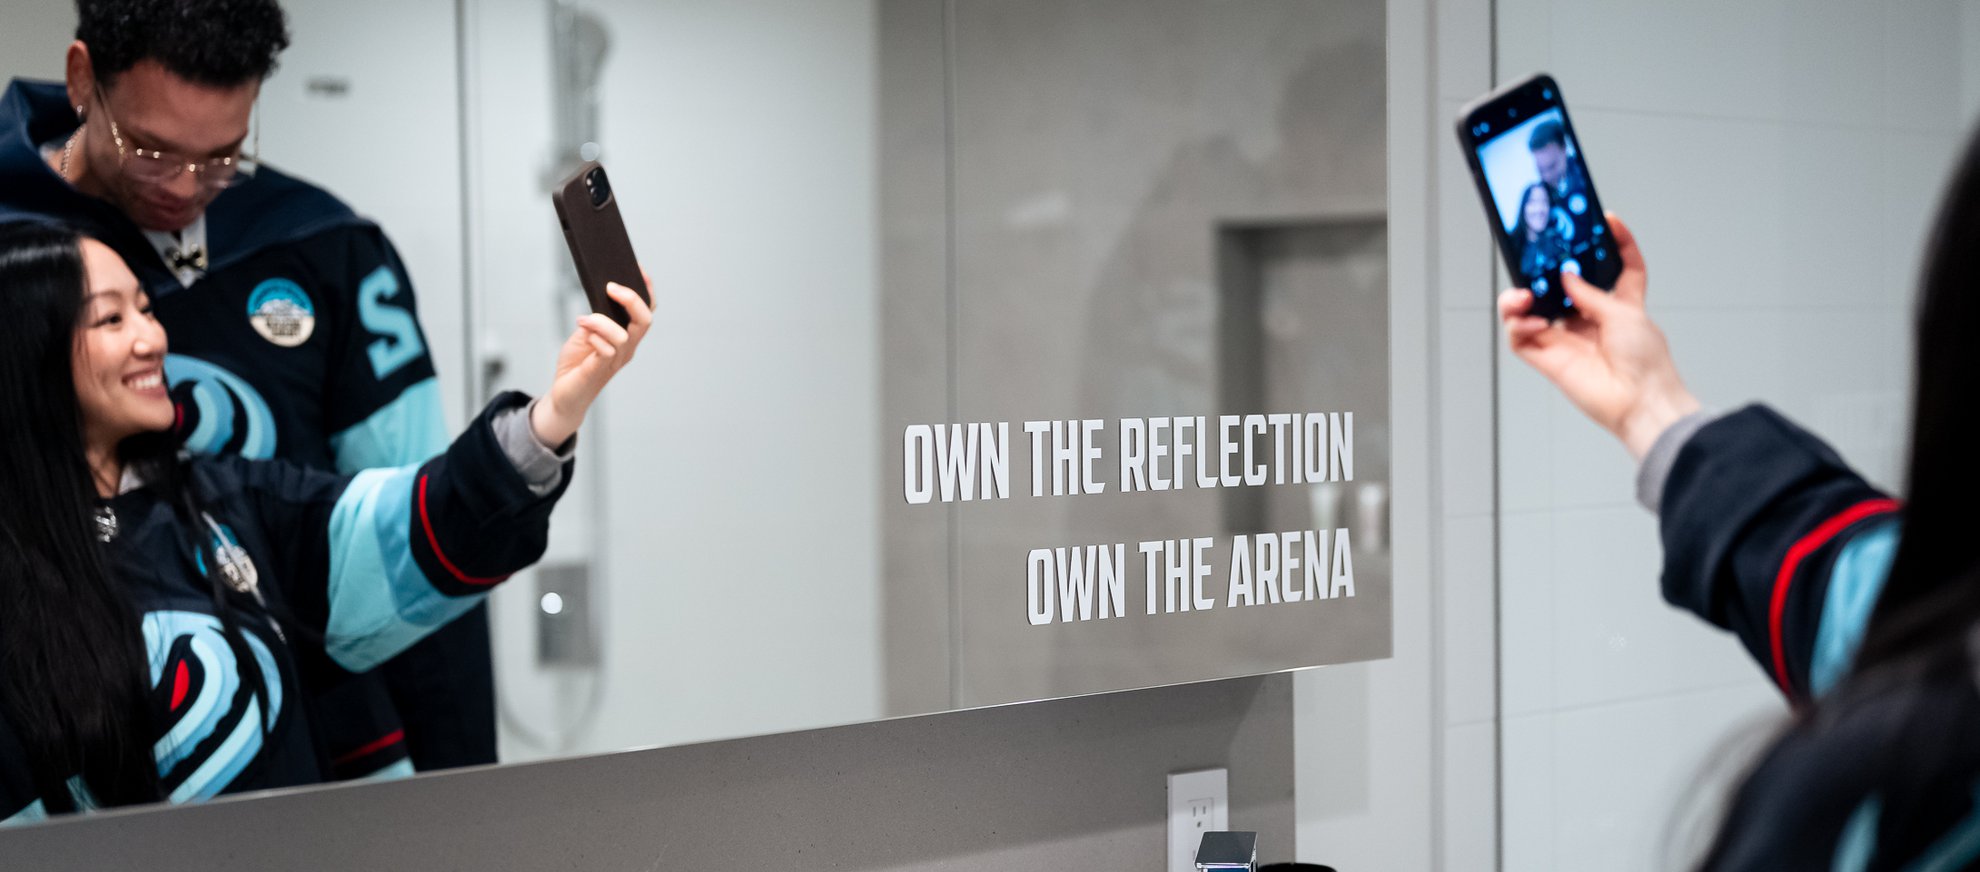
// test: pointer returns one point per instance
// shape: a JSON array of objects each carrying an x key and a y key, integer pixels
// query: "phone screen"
[{"x": 1537, "y": 189}]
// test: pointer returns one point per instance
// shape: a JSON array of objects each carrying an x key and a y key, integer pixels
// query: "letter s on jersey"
[{"x": 399, "y": 342}]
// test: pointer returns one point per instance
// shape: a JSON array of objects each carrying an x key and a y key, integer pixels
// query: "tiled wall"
[{"x": 1779, "y": 162}]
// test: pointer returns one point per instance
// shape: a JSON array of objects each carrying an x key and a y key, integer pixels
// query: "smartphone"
[
  {"x": 1539, "y": 198},
  {"x": 597, "y": 238}
]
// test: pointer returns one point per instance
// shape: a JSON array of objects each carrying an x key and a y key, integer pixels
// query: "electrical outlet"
[{"x": 1199, "y": 802}]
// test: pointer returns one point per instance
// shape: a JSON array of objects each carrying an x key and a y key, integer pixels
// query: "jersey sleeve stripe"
[
  {"x": 1784, "y": 579},
  {"x": 433, "y": 542},
  {"x": 409, "y": 429},
  {"x": 381, "y": 601},
  {"x": 1855, "y": 582},
  {"x": 372, "y": 747}
]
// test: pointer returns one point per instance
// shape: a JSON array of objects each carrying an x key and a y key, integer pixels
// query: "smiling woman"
[
  {"x": 120, "y": 362},
  {"x": 161, "y": 611}
]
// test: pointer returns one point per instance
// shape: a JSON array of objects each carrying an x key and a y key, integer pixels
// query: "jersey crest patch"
[{"x": 282, "y": 312}]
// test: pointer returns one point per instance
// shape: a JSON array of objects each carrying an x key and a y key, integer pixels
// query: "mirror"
[{"x": 1074, "y": 260}]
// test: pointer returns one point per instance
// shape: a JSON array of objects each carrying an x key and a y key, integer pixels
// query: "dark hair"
[
  {"x": 1519, "y": 215},
  {"x": 1932, "y": 597},
  {"x": 1549, "y": 132},
  {"x": 72, "y": 666},
  {"x": 223, "y": 43},
  {"x": 74, "y": 674}
]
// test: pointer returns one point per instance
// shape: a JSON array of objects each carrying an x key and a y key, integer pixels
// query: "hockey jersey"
[{"x": 360, "y": 566}]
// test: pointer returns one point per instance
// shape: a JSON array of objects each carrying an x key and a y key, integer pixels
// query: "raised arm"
[
  {"x": 1766, "y": 531},
  {"x": 379, "y": 559}
]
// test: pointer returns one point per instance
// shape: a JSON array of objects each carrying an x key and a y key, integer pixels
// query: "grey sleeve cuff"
[
  {"x": 1656, "y": 467},
  {"x": 542, "y": 467}
]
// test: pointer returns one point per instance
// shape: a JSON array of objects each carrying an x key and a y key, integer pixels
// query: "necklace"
[
  {"x": 106, "y": 523},
  {"x": 68, "y": 149}
]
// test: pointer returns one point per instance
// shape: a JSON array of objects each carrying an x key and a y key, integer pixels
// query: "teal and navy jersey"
[
  {"x": 300, "y": 342},
  {"x": 360, "y": 567},
  {"x": 1769, "y": 534}
]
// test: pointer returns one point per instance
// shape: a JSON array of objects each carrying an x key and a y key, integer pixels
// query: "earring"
[{"x": 79, "y": 112}]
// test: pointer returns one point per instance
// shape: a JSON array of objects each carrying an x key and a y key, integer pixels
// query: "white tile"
[
  {"x": 1614, "y": 636},
  {"x": 1831, "y": 62},
  {"x": 1527, "y": 794},
  {"x": 1916, "y": 171},
  {"x": 1969, "y": 72},
  {"x": 1526, "y": 613},
  {"x": 1807, "y": 60},
  {"x": 1833, "y": 180},
  {"x": 1727, "y": 358},
  {"x": 1922, "y": 66},
  {"x": 1703, "y": 198},
  {"x": 1850, "y": 384},
  {"x": 1591, "y": 466},
  {"x": 1685, "y": 56},
  {"x": 1525, "y": 29},
  {"x": 1470, "y": 797},
  {"x": 1469, "y": 639},
  {"x": 1526, "y": 435},
  {"x": 1635, "y": 783},
  {"x": 1464, "y": 426},
  {"x": 1845, "y": 350}
]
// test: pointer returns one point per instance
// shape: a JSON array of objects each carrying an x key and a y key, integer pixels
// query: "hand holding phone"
[
  {"x": 600, "y": 247},
  {"x": 594, "y": 353},
  {"x": 1539, "y": 197},
  {"x": 1611, "y": 361}
]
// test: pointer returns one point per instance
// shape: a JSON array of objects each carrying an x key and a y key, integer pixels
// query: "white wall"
[
  {"x": 737, "y": 539},
  {"x": 32, "y": 43},
  {"x": 1779, "y": 162}
]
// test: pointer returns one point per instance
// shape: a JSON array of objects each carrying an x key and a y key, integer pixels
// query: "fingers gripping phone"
[
  {"x": 1539, "y": 197},
  {"x": 597, "y": 238}
]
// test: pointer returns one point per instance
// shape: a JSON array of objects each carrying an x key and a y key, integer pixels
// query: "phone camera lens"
[{"x": 601, "y": 190}]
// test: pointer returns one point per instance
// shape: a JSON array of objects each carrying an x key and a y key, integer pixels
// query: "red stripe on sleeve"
[
  {"x": 1784, "y": 579},
  {"x": 434, "y": 542},
  {"x": 379, "y": 744}
]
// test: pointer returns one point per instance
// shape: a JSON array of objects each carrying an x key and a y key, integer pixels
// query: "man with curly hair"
[{"x": 294, "y": 331}]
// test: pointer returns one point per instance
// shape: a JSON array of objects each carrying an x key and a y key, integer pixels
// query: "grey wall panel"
[
  {"x": 1071, "y": 784},
  {"x": 916, "y": 360}
]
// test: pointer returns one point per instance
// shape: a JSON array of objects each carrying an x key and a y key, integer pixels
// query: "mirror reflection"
[{"x": 858, "y": 217}]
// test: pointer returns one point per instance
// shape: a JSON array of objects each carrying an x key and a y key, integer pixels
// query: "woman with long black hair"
[
  {"x": 1865, "y": 612},
  {"x": 158, "y": 612},
  {"x": 1541, "y": 247}
]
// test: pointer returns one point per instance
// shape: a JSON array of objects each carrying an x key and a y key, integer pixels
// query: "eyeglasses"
[{"x": 151, "y": 166}]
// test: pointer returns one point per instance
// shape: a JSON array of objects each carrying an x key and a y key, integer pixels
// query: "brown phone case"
[{"x": 589, "y": 211}]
